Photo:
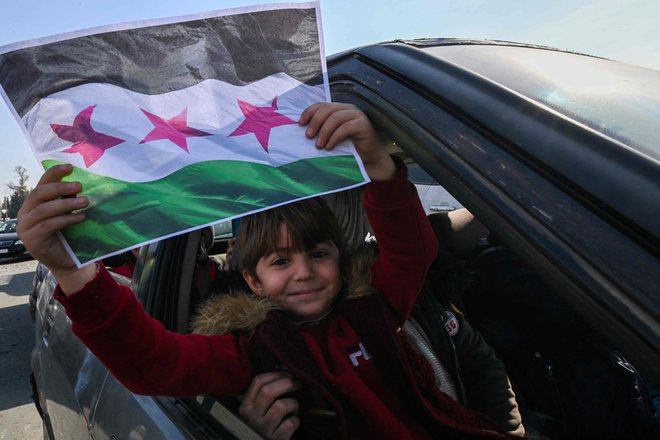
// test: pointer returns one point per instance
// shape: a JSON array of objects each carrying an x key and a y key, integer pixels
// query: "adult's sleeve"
[
  {"x": 143, "y": 355},
  {"x": 486, "y": 382},
  {"x": 406, "y": 242}
]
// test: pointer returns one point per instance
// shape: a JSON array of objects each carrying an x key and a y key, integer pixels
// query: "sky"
[{"x": 624, "y": 30}]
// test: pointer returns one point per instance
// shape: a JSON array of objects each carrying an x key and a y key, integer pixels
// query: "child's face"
[{"x": 305, "y": 283}]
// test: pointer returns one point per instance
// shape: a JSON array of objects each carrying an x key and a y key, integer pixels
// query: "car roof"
[
  {"x": 475, "y": 78},
  {"x": 619, "y": 100}
]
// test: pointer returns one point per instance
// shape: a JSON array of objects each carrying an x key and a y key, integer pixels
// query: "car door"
[
  {"x": 69, "y": 377},
  {"x": 121, "y": 414},
  {"x": 82, "y": 400}
]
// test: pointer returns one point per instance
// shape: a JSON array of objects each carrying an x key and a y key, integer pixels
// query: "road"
[{"x": 19, "y": 419}]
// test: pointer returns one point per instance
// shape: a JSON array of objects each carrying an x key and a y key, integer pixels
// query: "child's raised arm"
[
  {"x": 334, "y": 122},
  {"x": 45, "y": 211}
]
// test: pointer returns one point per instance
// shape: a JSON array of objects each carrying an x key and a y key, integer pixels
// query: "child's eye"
[
  {"x": 319, "y": 254},
  {"x": 279, "y": 262}
]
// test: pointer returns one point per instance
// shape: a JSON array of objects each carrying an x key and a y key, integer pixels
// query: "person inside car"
[{"x": 361, "y": 377}]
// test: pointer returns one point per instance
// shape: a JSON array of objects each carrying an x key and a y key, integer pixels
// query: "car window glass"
[
  {"x": 8, "y": 227},
  {"x": 619, "y": 100},
  {"x": 222, "y": 230}
]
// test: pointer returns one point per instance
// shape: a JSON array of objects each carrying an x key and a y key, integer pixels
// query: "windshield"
[
  {"x": 7, "y": 227},
  {"x": 619, "y": 100}
]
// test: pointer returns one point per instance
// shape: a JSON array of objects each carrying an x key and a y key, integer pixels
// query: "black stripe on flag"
[{"x": 238, "y": 49}]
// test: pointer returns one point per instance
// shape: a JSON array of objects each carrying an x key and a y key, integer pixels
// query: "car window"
[
  {"x": 492, "y": 282},
  {"x": 7, "y": 227},
  {"x": 500, "y": 282},
  {"x": 222, "y": 230}
]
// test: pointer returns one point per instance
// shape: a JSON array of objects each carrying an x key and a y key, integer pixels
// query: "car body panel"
[
  {"x": 77, "y": 392},
  {"x": 138, "y": 416}
]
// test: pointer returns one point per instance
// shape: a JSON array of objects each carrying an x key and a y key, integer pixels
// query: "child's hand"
[
  {"x": 334, "y": 122},
  {"x": 45, "y": 212}
]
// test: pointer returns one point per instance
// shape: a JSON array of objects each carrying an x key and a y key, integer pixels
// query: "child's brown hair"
[{"x": 308, "y": 222}]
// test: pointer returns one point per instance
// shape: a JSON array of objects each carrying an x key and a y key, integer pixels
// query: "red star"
[
  {"x": 88, "y": 142},
  {"x": 175, "y": 129},
  {"x": 260, "y": 120}
]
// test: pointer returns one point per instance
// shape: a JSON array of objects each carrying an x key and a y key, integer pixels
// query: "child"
[{"x": 347, "y": 352}]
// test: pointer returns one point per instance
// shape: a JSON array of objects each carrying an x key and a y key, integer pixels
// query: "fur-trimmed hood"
[
  {"x": 242, "y": 311},
  {"x": 227, "y": 313}
]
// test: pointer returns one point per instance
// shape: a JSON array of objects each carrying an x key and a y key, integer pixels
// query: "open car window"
[{"x": 528, "y": 325}]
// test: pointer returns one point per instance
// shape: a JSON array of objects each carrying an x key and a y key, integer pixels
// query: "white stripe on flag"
[{"x": 212, "y": 107}]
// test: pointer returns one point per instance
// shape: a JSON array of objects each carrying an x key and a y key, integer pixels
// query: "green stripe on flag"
[{"x": 124, "y": 214}]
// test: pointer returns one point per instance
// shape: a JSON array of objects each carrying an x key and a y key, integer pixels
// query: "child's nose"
[{"x": 303, "y": 268}]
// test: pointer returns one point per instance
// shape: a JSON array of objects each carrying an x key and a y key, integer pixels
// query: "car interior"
[{"x": 569, "y": 382}]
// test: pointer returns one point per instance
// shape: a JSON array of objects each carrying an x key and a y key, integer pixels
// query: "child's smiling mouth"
[{"x": 305, "y": 293}]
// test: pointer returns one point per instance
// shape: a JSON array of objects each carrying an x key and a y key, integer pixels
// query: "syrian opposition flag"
[{"x": 177, "y": 124}]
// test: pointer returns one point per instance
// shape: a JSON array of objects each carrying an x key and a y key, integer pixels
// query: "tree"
[{"x": 19, "y": 190}]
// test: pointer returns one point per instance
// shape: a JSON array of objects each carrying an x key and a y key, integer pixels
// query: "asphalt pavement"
[{"x": 19, "y": 419}]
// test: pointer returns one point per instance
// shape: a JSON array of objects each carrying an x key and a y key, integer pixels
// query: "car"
[
  {"x": 554, "y": 152},
  {"x": 10, "y": 244}
]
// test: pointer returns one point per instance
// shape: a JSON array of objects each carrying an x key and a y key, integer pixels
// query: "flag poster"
[{"x": 176, "y": 124}]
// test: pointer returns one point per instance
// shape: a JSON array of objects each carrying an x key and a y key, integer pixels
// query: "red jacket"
[{"x": 148, "y": 359}]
